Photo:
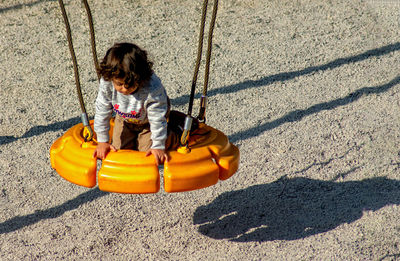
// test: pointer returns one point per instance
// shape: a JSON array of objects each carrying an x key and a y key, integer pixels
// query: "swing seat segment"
[
  {"x": 211, "y": 158},
  {"x": 205, "y": 156}
]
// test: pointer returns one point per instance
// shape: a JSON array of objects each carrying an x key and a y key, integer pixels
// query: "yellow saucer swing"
[{"x": 205, "y": 155}]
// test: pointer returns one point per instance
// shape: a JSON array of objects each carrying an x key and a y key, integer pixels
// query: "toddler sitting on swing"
[{"x": 129, "y": 87}]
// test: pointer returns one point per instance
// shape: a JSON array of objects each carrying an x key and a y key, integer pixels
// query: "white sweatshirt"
[{"x": 148, "y": 104}]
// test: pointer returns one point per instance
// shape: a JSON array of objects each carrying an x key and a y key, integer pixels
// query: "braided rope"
[
  {"x": 88, "y": 132},
  {"x": 73, "y": 56},
  {"x": 202, "y": 110},
  {"x": 188, "y": 121},
  {"x": 199, "y": 53},
  {"x": 92, "y": 37}
]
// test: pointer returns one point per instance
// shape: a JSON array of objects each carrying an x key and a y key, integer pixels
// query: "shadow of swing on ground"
[
  {"x": 286, "y": 76},
  {"x": 19, "y": 6},
  {"x": 40, "y": 129},
  {"x": 20, "y": 222},
  {"x": 292, "y": 208},
  {"x": 297, "y": 115}
]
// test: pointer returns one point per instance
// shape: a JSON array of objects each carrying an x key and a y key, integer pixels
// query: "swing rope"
[
  {"x": 73, "y": 56},
  {"x": 203, "y": 100},
  {"x": 92, "y": 37},
  {"x": 88, "y": 132},
  {"x": 199, "y": 53},
  {"x": 201, "y": 117}
]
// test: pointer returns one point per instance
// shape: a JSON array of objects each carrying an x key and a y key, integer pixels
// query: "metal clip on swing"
[
  {"x": 87, "y": 130},
  {"x": 184, "y": 147}
]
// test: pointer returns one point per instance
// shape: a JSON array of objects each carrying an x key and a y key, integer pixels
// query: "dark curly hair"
[{"x": 128, "y": 62}]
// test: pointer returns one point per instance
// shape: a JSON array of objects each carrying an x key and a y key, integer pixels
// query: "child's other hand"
[
  {"x": 159, "y": 155},
  {"x": 102, "y": 150}
]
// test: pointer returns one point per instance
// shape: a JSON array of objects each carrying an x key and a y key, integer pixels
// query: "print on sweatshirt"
[{"x": 133, "y": 116}]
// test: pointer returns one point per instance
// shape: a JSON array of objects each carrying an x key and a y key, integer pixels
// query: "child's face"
[{"x": 121, "y": 87}]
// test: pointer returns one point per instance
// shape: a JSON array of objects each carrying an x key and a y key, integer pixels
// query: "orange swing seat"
[{"x": 211, "y": 158}]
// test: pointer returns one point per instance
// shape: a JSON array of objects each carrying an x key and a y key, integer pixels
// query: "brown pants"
[{"x": 131, "y": 136}]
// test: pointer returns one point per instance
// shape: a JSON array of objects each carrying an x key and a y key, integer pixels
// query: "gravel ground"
[{"x": 308, "y": 90}]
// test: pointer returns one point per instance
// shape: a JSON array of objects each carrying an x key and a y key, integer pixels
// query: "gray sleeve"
[
  {"x": 103, "y": 111},
  {"x": 157, "y": 107}
]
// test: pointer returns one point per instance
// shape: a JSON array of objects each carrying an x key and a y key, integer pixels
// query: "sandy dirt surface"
[{"x": 308, "y": 90}]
